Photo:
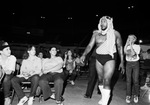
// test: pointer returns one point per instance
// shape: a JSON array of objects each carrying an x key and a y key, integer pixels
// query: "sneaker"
[
  {"x": 62, "y": 98},
  {"x": 7, "y": 101},
  {"x": 128, "y": 99},
  {"x": 23, "y": 100},
  {"x": 144, "y": 87},
  {"x": 100, "y": 102},
  {"x": 87, "y": 96},
  {"x": 59, "y": 103},
  {"x": 30, "y": 101},
  {"x": 136, "y": 99},
  {"x": 52, "y": 96},
  {"x": 72, "y": 82}
]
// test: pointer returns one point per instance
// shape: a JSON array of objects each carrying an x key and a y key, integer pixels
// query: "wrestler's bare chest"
[{"x": 100, "y": 38}]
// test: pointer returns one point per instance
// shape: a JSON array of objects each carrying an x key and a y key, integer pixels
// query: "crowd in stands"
[{"x": 38, "y": 67}]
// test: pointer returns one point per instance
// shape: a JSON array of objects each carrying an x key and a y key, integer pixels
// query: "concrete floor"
[{"x": 74, "y": 95}]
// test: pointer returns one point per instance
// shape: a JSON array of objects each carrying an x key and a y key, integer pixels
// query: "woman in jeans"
[
  {"x": 29, "y": 71},
  {"x": 132, "y": 52},
  {"x": 52, "y": 72},
  {"x": 70, "y": 66}
]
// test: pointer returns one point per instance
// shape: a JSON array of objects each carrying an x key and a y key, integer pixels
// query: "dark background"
[{"x": 70, "y": 22}]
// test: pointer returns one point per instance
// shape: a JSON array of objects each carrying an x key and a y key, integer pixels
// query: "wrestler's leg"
[
  {"x": 109, "y": 68},
  {"x": 99, "y": 68}
]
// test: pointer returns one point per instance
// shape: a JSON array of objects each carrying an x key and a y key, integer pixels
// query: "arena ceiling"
[{"x": 70, "y": 22}]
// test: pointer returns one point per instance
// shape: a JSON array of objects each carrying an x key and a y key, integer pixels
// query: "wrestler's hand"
[
  {"x": 82, "y": 58},
  {"x": 121, "y": 67}
]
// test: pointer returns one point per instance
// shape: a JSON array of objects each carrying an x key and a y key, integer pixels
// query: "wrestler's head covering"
[
  {"x": 3, "y": 45},
  {"x": 109, "y": 31},
  {"x": 109, "y": 21}
]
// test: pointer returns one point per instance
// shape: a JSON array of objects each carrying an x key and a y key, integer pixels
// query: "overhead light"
[
  {"x": 131, "y": 7},
  {"x": 28, "y": 33},
  {"x": 69, "y": 18},
  {"x": 42, "y": 17}
]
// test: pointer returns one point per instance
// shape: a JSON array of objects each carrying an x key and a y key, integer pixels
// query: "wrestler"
[{"x": 107, "y": 41}]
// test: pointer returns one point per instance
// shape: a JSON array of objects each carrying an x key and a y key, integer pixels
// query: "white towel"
[{"x": 110, "y": 34}]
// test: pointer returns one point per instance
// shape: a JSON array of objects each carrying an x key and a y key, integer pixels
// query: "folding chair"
[{"x": 25, "y": 86}]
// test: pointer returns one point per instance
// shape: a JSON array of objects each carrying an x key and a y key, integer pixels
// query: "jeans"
[
  {"x": 7, "y": 85},
  {"x": 72, "y": 76},
  {"x": 58, "y": 79},
  {"x": 132, "y": 73},
  {"x": 16, "y": 83}
]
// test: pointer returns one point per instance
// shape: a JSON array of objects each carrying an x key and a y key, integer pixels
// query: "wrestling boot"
[
  {"x": 101, "y": 90},
  {"x": 105, "y": 97}
]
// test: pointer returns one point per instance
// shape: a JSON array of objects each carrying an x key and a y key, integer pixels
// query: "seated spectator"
[
  {"x": 147, "y": 56},
  {"x": 78, "y": 62},
  {"x": 146, "y": 66},
  {"x": 7, "y": 68},
  {"x": 40, "y": 55},
  {"x": 52, "y": 72},
  {"x": 29, "y": 71},
  {"x": 70, "y": 65}
]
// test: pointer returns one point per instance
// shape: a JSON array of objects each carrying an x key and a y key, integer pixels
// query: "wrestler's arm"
[
  {"x": 90, "y": 45},
  {"x": 120, "y": 49}
]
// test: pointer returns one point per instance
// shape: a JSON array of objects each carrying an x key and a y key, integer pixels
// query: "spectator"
[
  {"x": 132, "y": 52},
  {"x": 29, "y": 71},
  {"x": 52, "y": 72},
  {"x": 7, "y": 67},
  {"x": 70, "y": 66}
]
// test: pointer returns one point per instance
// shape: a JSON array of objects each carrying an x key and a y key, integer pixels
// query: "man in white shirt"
[
  {"x": 7, "y": 64},
  {"x": 132, "y": 52}
]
